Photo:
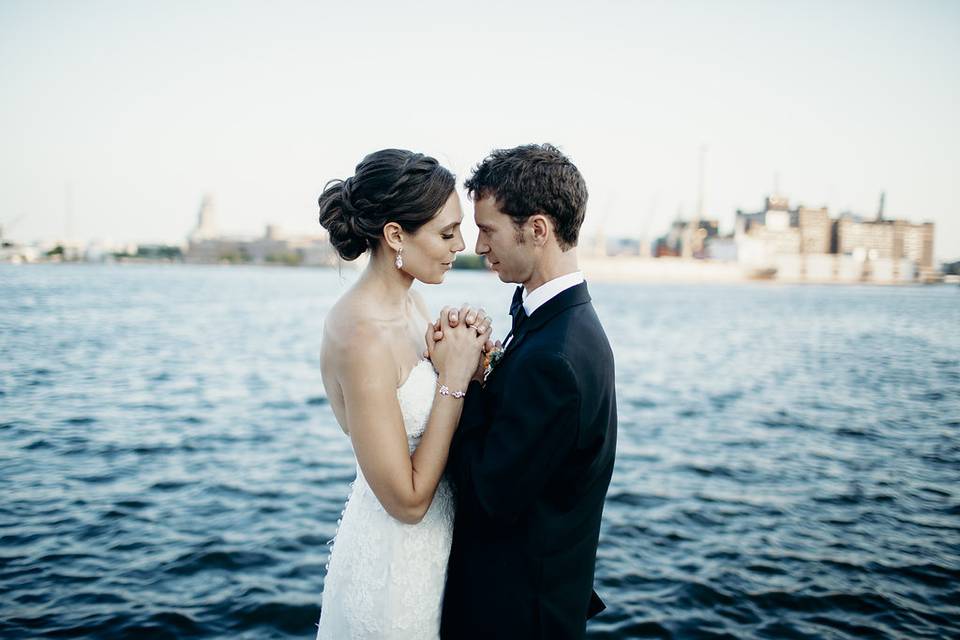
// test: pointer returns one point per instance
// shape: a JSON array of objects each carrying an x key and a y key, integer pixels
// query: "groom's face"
[{"x": 500, "y": 242}]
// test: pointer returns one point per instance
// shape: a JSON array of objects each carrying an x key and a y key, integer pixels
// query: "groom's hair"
[{"x": 531, "y": 179}]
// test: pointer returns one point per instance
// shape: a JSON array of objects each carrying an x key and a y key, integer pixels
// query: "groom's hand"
[{"x": 482, "y": 366}]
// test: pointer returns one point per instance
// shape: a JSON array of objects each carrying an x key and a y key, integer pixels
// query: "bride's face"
[{"x": 429, "y": 253}]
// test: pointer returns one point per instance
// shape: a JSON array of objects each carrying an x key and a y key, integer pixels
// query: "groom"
[{"x": 534, "y": 452}]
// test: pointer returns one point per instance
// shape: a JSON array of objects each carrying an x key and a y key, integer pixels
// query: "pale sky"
[{"x": 131, "y": 111}]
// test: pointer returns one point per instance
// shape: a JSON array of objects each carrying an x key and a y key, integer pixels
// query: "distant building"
[
  {"x": 682, "y": 236},
  {"x": 206, "y": 246},
  {"x": 806, "y": 244},
  {"x": 816, "y": 230},
  {"x": 762, "y": 236},
  {"x": 267, "y": 249},
  {"x": 216, "y": 250},
  {"x": 722, "y": 249},
  {"x": 882, "y": 240}
]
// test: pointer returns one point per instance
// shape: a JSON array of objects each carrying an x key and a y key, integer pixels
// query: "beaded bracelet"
[{"x": 445, "y": 391}]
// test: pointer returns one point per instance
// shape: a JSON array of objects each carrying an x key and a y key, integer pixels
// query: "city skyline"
[{"x": 119, "y": 119}]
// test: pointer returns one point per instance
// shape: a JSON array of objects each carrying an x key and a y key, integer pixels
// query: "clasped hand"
[{"x": 467, "y": 319}]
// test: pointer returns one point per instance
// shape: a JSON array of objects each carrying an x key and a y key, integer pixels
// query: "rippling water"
[{"x": 788, "y": 466}]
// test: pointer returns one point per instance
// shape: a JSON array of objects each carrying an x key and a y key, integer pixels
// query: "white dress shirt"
[{"x": 533, "y": 300}]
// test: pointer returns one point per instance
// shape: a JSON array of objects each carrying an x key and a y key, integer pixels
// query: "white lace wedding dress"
[{"x": 385, "y": 578}]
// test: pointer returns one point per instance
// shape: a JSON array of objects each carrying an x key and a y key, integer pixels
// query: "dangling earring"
[{"x": 399, "y": 260}]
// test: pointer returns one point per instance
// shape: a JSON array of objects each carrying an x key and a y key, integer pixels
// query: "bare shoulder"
[{"x": 355, "y": 344}]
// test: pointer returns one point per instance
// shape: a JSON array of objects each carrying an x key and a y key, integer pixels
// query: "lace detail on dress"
[{"x": 385, "y": 578}]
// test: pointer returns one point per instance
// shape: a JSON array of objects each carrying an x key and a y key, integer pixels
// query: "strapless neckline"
[
  {"x": 413, "y": 371},
  {"x": 415, "y": 396}
]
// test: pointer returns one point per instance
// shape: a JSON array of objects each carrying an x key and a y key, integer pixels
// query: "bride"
[{"x": 388, "y": 562}]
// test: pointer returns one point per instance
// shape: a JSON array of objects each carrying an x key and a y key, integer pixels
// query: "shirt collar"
[{"x": 536, "y": 298}]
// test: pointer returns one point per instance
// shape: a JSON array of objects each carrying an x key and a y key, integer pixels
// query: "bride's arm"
[{"x": 404, "y": 484}]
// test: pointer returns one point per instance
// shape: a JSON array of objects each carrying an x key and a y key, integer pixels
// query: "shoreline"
[
  {"x": 616, "y": 270},
  {"x": 686, "y": 271}
]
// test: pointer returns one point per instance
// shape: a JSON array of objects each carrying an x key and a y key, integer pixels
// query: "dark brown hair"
[
  {"x": 390, "y": 185},
  {"x": 530, "y": 179}
]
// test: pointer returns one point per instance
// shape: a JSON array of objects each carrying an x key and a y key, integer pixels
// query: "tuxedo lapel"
[{"x": 567, "y": 298}]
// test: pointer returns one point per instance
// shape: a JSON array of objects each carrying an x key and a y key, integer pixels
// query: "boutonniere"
[{"x": 490, "y": 360}]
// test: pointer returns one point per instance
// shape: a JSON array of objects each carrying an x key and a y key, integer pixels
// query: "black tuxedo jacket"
[{"x": 531, "y": 462}]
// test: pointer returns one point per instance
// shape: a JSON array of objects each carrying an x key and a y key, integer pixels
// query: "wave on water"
[{"x": 788, "y": 459}]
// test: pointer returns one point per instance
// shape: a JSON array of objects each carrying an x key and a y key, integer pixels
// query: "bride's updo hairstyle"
[{"x": 391, "y": 185}]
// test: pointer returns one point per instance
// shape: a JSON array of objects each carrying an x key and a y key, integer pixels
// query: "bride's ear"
[{"x": 393, "y": 235}]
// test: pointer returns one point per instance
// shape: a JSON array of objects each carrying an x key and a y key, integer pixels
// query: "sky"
[{"x": 117, "y": 117}]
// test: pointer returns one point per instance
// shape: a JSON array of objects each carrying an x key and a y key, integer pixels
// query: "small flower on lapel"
[{"x": 490, "y": 360}]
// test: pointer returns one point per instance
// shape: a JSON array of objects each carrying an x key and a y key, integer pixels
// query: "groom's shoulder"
[
  {"x": 578, "y": 321},
  {"x": 578, "y": 335}
]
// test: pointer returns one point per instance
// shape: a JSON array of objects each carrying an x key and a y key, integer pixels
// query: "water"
[{"x": 788, "y": 466}]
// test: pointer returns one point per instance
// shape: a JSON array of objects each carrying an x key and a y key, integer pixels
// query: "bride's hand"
[
  {"x": 456, "y": 356},
  {"x": 476, "y": 318}
]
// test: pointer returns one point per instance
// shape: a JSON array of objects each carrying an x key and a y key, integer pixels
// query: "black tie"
[{"x": 517, "y": 311}]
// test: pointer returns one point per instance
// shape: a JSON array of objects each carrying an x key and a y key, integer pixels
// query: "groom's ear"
[
  {"x": 393, "y": 235},
  {"x": 541, "y": 228}
]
